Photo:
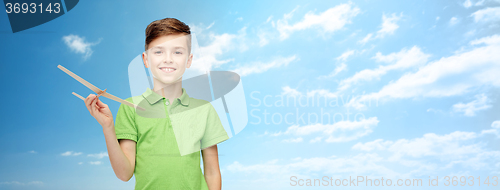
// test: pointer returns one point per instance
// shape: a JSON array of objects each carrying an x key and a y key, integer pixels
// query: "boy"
[{"x": 162, "y": 147}]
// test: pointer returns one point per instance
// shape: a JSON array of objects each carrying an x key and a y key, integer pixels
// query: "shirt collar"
[{"x": 153, "y": 97}]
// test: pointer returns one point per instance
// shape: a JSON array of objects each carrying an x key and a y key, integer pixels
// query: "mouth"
[{"x": 167, "y": 69}]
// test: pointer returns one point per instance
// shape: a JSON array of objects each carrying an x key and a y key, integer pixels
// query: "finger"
[
  {"x": 88, "y": 102},
  {"x": 89, "y": 99},
  {"x": 94, "y": 106},
  {"x": 101, "y": 104},
  {"x": 97, "y": 104}
]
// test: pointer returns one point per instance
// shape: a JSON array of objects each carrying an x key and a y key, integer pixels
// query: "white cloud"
[
  {"x": 495, "y": 124},
  {"x": 278, "y": 172},
  {"x": 260, "y": 67},
  {"x": 367, "y": 38},
  {"x": 495, "y": 129},
  {"x": 268, "y": 167},
  {"x": 448, "y": 76},
  {"x": 337, "y": 70},
  {"x": 317, "y": 94},
  {"x": 33, "y": 152},
  {"x": 360, "y": 163},
  {"x": 80, "y": 163},
  {"x": 71, "y": 153},
  {"x": 435, "y": 110},
  {"x": 341, "y": 131},
  {"x": 207, "y": 57},
  {"x": 210, "y": 26},
  {"x": 329, "y": 21},
  {"x": 453, "y": 21},
  {"x": 469, "y": 109},
  {"x": 290, "y": 91},
  {"x": 292, "y": 140},
  {"x": 345, "y": 55},
  {"x": 429, "y": 145},
  {"x": 207, "y": 54},
  {"x": 388, "y": 27},
  {"x": 198, "y": 29},
  {"x": 404, "y": 59},
  {"x": 265, "y": 33},
  {"x": 78, "y": 44},
  {"x": 457, "y": 147},
  {"x": 470, "y": 3},
  {"x": 95, "y": 163},
  {"x": 467, "y": 3},
  {"x": 21, "y": 183},
  {"x": 470, "y": 33},
  {"x": 263, "y": 39},
  {"x": 431, "y": 154},
  {"x": 490, "y": 14},
  {"x": 269, "y": 18},
  {"x": 99, "y": 155},
  {"x": 271, "y": 134},
  {"x": 335, "y": 99},
  {"x": 489, "y": 40},
  {"x": 317, "y": 139},
  {"x": 340, "y": 67}
]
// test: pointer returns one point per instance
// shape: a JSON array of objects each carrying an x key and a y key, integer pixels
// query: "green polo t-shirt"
[{"x": 169, "y": 138}]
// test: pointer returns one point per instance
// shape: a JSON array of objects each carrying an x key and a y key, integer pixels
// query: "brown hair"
[{"x": 166, "y": 26}]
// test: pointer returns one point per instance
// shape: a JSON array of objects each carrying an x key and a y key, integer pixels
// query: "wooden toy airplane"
[{"x": 95, "y": 89}]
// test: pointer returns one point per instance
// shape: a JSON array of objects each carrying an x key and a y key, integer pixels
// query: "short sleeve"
[
  {"x": 125, "y": 127},
  {"x": 214, "y": 131}
]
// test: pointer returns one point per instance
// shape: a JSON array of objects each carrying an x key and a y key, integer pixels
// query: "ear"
[
  {"x": 145, "y": 59},
  {"x": 190, "y": 60}
]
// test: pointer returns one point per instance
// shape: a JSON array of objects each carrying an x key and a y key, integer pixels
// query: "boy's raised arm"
[{"x": 121, "y": 154}]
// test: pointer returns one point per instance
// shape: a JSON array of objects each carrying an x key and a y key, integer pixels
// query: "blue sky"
[{"x": 430, "y": 69}]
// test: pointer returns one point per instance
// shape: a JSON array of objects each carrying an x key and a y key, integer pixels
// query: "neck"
[{"x": 169, "y": 91}]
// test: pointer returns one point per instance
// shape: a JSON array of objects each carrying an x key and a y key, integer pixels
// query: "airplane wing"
[
  {"x": 78, "y": 95},
  {"x": 79, "y": 79},
  {"x": 108, "y": 95},
  {"x": 95, "y": 89}
]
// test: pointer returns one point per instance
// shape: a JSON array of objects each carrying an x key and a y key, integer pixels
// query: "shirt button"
[{"x": 167, "y": 103}]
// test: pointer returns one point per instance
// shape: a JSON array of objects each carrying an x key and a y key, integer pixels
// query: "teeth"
[{"x": 167, "y": 69}]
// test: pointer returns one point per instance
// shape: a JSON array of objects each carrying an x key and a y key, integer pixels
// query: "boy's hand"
[{"x": 100, "y": 111}]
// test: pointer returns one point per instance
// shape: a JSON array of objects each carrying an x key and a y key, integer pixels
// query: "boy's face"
[{"x": 168, "y": 58}]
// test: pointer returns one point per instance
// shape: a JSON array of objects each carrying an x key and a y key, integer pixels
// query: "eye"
[
  {"x": 178, "y": 52},
  {"x": 158, "y": 52}
]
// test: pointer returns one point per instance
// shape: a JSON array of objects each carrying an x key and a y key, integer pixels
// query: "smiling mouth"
[{"x": 167, "y": 69}]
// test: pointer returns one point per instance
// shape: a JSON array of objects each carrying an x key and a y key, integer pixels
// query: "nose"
[{"x": 168, "y": 58}]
